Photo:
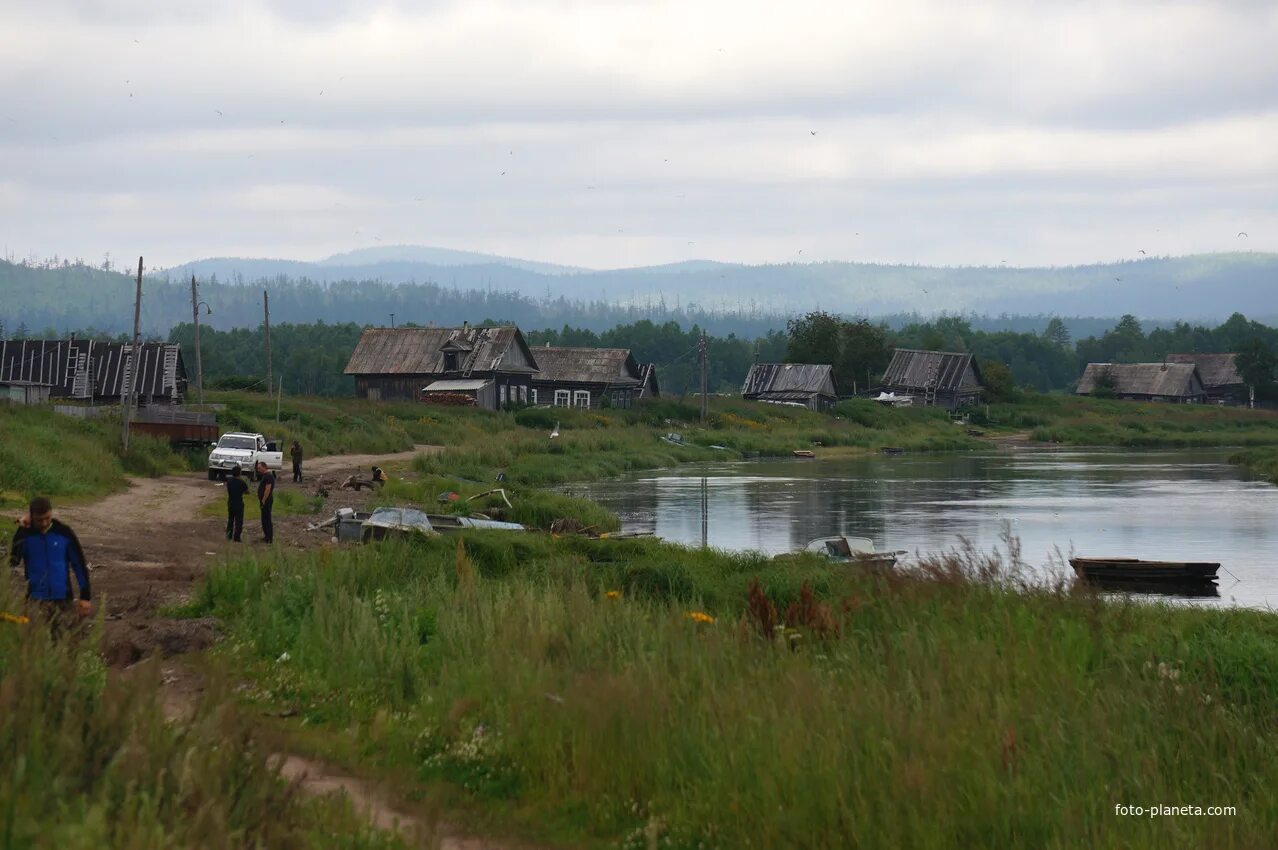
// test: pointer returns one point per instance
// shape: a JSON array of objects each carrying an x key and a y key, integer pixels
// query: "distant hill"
[{"x": 1206, "y": 286}]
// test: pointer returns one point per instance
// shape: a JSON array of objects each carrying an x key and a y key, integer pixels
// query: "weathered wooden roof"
[
  {"x": 1173, "y": 380},
  {"x": 649, "y": 388},
  {"x": 1215, "y": 370},
  {"x": 84, "y": 368},
  {"x": 791, "y": 378},
  {"x": 420, "y": 351},
  {"x": 941, "y": 370},
  {"x": 613, "y": 366}
]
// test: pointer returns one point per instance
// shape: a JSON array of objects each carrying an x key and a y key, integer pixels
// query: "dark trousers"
[
  {"x": 297, "y": 470},
  {"x": 59, "y": 614},
  {"x": 268, "y": 528},
  {"x": 234, "y": 522}
]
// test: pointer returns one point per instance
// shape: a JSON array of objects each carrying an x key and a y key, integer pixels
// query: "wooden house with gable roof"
[
  {"x": 1219, "y": 374},
  {"x": 488, "y": 367},
  {"x": 1172, "y": 382},
  {"x": 947, "y": 379},
  {"x": 590, "y": 377},
  {"x": 808, "y": 384}
]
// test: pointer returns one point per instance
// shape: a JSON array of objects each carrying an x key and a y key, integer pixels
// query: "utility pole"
[
  {"x": 701, "y": 360},
  {"x": 279, "y": 392},
  {"x": 131, "y": 391},
  {"x": 266, "y": 310},
  {"x": 392, "y": 321},
  {"x": 195, "y": 319}
]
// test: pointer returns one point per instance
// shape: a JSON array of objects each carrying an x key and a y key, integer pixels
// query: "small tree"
[
  {"x": 1106, "y": 383},
  {"x": 997, "y": 380},
  {"x": 1057, "y": 333},
  {"x": 1256, "y": 365}
]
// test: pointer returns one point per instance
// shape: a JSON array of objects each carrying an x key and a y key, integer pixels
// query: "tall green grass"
[
  {"x": 934, "y": 710},
  {"x": 90, "y": 761}
]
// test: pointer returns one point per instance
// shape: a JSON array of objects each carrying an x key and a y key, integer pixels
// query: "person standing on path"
[
  {"x": 266, "y": 498},
  {"x": 296, "y": 454},
  {"x": 236, "y": 489},
  {"x": 50, "y": 552}
]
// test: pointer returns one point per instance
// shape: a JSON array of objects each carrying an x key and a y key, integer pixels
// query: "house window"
[
  {"x": 450, "y": 361},
  {"x": 503, "y": 395},
  {"x": 534, "y": 396},
  {"x": 523, "y": 395},
  {"x": 581, "y": 398},
  {"x": 620, "y": 398},
  {"x": 563, "y": 398}
]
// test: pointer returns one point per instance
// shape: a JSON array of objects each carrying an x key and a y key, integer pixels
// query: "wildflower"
[
  {"x": 699, "y": 617},
  {"x": 613, "y": 594}
]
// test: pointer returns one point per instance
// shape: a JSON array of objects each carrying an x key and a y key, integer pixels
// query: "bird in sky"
[
  {"x": 813, "y": 132},
  {"x": 218, "y": 111},
  {"x": 503, "y": 174},
  {"x": 1243, "y": 235},
  {"x": 1141, "y": 251},
  {"x": 1119, "y": 279}
]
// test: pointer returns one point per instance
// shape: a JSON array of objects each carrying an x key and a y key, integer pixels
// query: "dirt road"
[{"x": 149, "y": 545}]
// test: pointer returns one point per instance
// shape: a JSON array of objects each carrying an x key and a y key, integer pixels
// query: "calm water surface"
[{"x": 1172, "y": 505}]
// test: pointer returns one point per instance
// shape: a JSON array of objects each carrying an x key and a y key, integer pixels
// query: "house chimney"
[{"x": 465, "y": 325}]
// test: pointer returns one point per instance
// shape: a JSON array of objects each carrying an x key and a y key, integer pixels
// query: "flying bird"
[
  {"x": 1119, "y": 279},
  {"x": 1141, "y": 251},
  {"x": 1243, "y": 235},
  {"x": 813, "y": 132},
  {"x": 218, "y": 111}
]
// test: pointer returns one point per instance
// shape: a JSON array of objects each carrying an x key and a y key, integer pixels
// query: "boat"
[
  {"x": 853, "y": 550},
  {"x": 804, "y": 453},
  {"x": 1136, "y": 570},
  {"x": 449, "y": 522}
]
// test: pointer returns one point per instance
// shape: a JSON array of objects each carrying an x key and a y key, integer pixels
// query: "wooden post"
[
  {"x": 131, "y": 396},
  {"x": 266, "y": 310},
  {"x": 195, "y": 318},
  {"x": 701, "y": 359},
  {"x": 279, "y": 392}
]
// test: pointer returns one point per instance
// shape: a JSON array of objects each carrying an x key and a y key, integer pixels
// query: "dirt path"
[{"x": 149, "y": 546}]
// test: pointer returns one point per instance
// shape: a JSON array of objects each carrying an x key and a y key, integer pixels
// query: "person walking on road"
[
  {"x": 266, "y": 498},
  {"x": 296, "y": 454},
  {"x": 236, "y": 488},
  {"x": 50, "y": 552}
]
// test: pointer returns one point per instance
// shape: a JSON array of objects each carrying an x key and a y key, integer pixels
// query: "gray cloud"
[{"x": 1046, "y": 132}]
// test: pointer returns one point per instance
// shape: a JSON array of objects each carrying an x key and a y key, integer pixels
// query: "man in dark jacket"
[
  {"x": 296, "y": 454},
  {"x": 49, "y": 552},
  {"x": 236, "y": 488},
  {"x": 266, "y": 498}
]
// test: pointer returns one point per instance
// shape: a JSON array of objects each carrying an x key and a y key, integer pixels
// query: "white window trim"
[
  {"x": 534, "y": 396},
  {"x": 563, "y": 398},
  {"x": 579, "y": 396}
]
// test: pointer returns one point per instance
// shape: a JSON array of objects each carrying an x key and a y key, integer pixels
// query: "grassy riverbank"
[
  {"x": 92, "y": 762},
  {"x": 565, "y": 684},
  {"x": 1097, "y": 422}
]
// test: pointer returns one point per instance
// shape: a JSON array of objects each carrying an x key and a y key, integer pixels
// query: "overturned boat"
[{"x": 854, "y": 550}]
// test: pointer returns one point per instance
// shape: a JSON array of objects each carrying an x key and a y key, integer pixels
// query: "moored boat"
[
  {"x": 804, "y": 453},
  {"x": 1136, "y": 570},
  {"x": 853, "y": 550}
]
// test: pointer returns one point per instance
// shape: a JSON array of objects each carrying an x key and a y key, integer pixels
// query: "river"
[{"x": 1171, "y": 505}]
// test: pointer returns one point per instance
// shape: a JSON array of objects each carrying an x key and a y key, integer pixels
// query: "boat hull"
[{"x": 1137, "y": 571}]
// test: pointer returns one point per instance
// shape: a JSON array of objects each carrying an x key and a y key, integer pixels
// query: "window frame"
[
  {"x": 577, "y": 398},
  {"x": 566, "y": 395}
]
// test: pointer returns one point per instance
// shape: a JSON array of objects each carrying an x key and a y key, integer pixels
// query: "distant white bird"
[{"x": 555, "y": 433}]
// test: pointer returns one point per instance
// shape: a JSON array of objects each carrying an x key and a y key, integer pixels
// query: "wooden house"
[
  {"x": 1219, "y": 374},
  {"x": 649, "y": 387},
  {"x": 95, "y": 372},
  {"x": 1171, "y": 382},
  {"x": 488, "y": 367},
  {"x": 808, "y": 384},
  {"x": 590, "y": 377},
  {"x": 948, "y": 379}
]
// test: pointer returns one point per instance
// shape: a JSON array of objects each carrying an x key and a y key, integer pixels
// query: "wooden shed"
[
  {"x": 947, "y": 379},
  {"x": 808, "y": 384},
  {"x": 1172, "y": 382},
  {"x": 494, "y": 364},
  {"x": 587, "y": 377}
]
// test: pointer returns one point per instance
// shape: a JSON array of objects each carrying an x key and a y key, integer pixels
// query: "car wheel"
[{"x": 213, "y": 475}]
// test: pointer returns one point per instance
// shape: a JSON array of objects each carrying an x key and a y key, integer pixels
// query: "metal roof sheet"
[{"x": 451, "y": 385}]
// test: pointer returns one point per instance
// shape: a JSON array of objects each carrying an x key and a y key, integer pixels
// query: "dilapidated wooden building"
[
  {"x": 590, "y": 377},
  {"x": 488, "y": 367},
  {"x": 95, "y": 372},
  {"x": 1219, "y": 374},
  {"x": 1171, "y": 382},
  {"x": 947, "y": 379},
  {"x": 808, "y": 384}
]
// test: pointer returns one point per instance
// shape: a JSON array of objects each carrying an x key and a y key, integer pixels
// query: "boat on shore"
[
  {"x": 853, "y": 550},
  {"x": 804, "y": 453},
  {"x": 1136, "y": 571}
]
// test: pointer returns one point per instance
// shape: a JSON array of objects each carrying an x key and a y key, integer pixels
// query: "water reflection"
[{"x": 1168, "y": 505}]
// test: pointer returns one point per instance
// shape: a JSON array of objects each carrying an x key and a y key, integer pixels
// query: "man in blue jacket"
[{"x": 50, "y": 552}]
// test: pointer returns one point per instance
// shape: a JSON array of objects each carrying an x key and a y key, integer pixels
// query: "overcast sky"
[{"x": 611, "y": 134}]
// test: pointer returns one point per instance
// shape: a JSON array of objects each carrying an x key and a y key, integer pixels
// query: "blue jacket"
[{"x": 49, "y": 559}]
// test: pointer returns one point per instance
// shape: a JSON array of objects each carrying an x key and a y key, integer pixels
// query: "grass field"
[{"x": 614, "y": 692}]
